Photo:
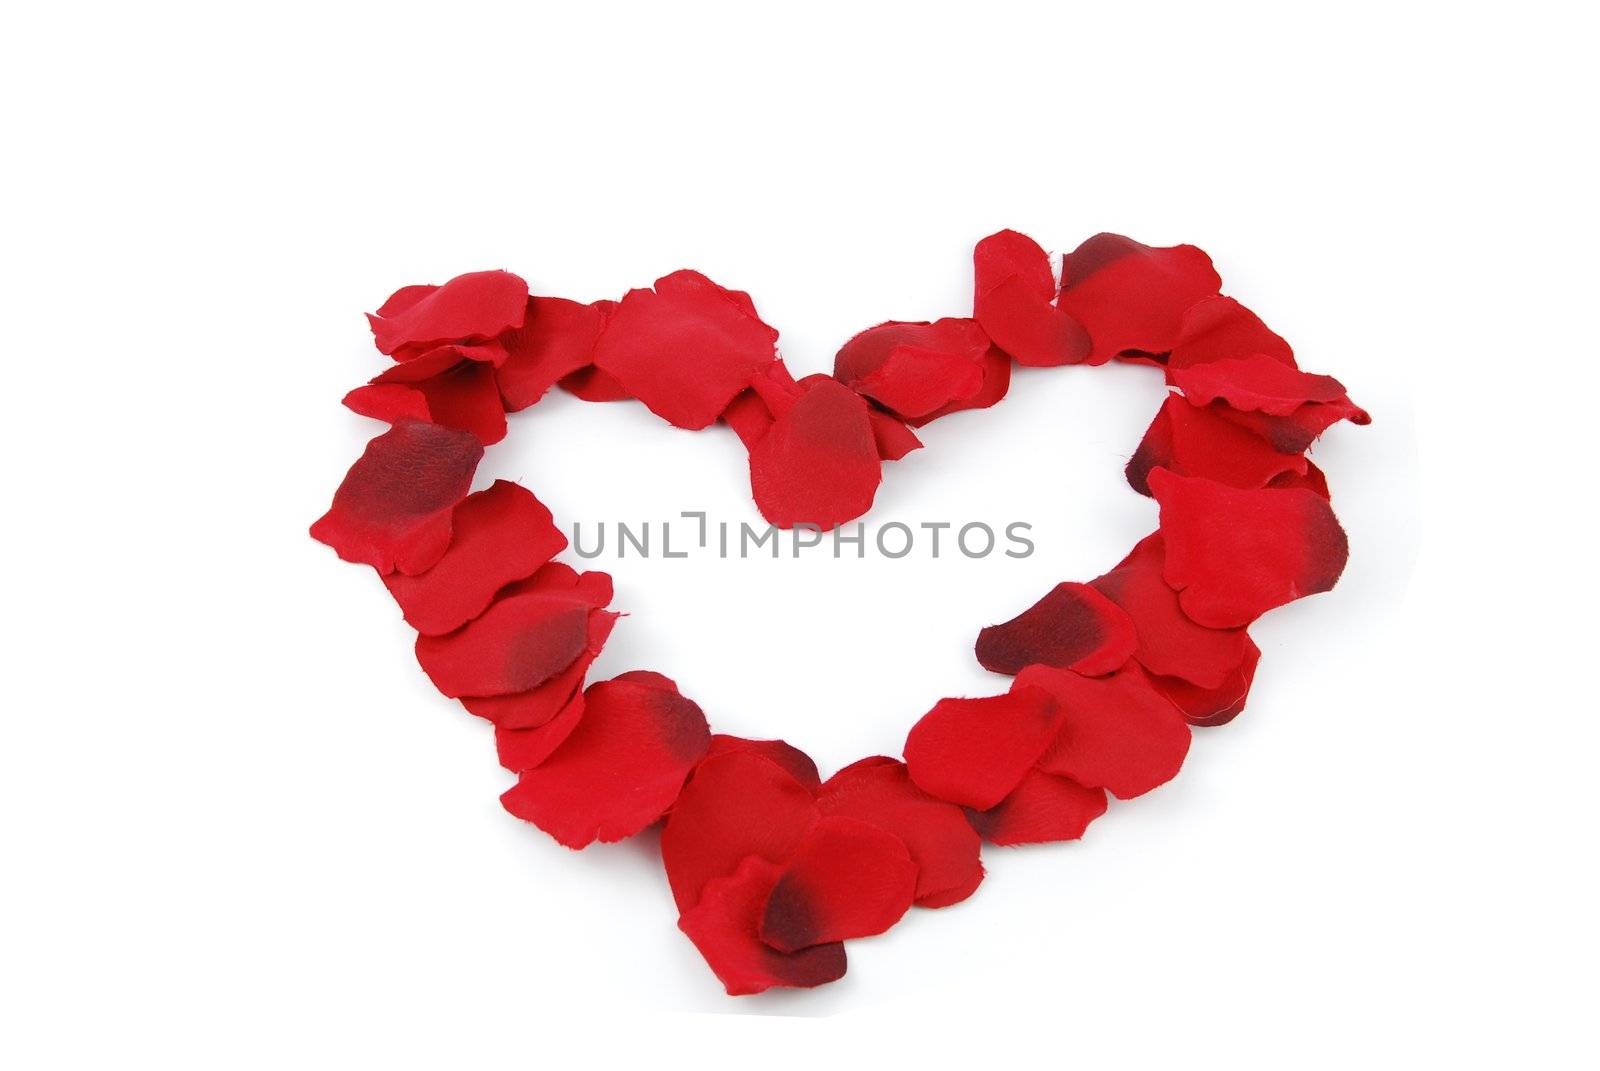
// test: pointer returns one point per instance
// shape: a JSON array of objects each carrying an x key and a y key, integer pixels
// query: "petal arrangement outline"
[{"x": 772, "y": 867}]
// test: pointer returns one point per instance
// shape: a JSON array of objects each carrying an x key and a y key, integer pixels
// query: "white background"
[{"x": 238, "y": 827}]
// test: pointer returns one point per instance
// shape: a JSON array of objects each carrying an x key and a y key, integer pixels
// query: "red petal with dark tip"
[
  {"x": 1233, "y": 555},
  {"x": 846, "y": 879},
  {"x": 724, "y": 926},
  {"x": 686, "y": 348},
  {"x": 393, "y": 509},
  {"x": 520, "y": 642},
  {"x": 785, "y": 754},
  {"x": 1296, "y": 432},
  {"x": 1256, "y": 384},
  {"x": 1014, "y": 302},
  {"x": 535, "y": 707},
  {"x": 555, "y": 341},
  {"x": 620, "y": 769},
  {"x": 1194, "y": 441},
  {"x": 1072, "y": 627},
  {"x": 912, "y": 369},
  {"x": 1117, "y": 733},
  {"x": 499, "y": 535},
  {"x": 1219, "y": 328},
  {"x": 1043, "y": 808},
  {"x": 818, "y": 463},
  {"x": 1131, "y": 296},
  {"x": 943, "y": 845},
  {"x": 974, "y": 751},
  {"x": 469, "y": 307},
  {"x": 1170, "y": 644},
  {"x": 736, "y": 804}
]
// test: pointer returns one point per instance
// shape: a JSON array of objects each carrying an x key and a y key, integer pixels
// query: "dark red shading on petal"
[
  {"x": 620, "y": 769},
  {"x": 1296, "y": 432},
  {"x": 686, "y": 348},
  {"x": 736, "y": 804},
  {"x": 1131, "y": 296},
  {"x": 1256, "y": 384},
  {"x": 1233, "y": 555},
  {"x": 1014, "y": 302},
  {"x": 942, "y": 843},
  {"x": 818, "y": 463},
  {"x": 555, "y": 341},
  {"x": 1118, "y": 733},
  {"x": 499, "y": 535},
  {"x": 776, "y": 387},
  {"x": 785, "y": 754},
  {"x": 1219, "y": 328},
  {"x": 535, "y": 707},
  {"x": 1073, "y": 627},
  {"x": 912, "y": 369},
  {"x": 1169, "y": 642},
  {"x": 1213, "y": 705},
  {"x": 423, "y": 364},
  {"x": 974, "y": 751},
  {"x": 393, "y": 509},
  {"x": 846, "y": 879},
  {"x": 478, "y": 305},
  {"x": 523, "y": 749},
  {"x": 1043, "y": 808},
  {"x": 724, "y": 926},
  {"x": 520, "y": 642},
  {"x": 1194, "y": 441},
  {"x": 996, "y": 382}
]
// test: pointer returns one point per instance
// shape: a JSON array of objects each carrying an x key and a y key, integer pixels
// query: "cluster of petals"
[{"x": 772, "y": 868}]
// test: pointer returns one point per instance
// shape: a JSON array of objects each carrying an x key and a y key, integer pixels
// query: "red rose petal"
[
  {"x": 996, "y": 382},
  {"x": 749, "y": 417},
  {"x": 893, "y": 437},
  {"x": 1169, "y": 642},
  {"x": 686, "y": 348},
  {"x": 425, "y": 363},
  {"x": 537, "y": 706},
  {"x": 1073, "y": 627},
  {"x": 912, "y": 369},
  {"x": 1312, "y": 480},
  {"x": 594, "y": 385},
  {"x": 1014, "y": 302},
  {"x": 786, "y": 755},
  {"x": 724, "y": 924},
  {"x": 1258, "y": 384},
  {"x": 974, "y": 751},
  {"x": 393, "y": 509},
  {"x": 1042, "y": 809},
  {"x": 469, "y": 307},
  {"x": 736, "y": 804},
  {"x": 523, "y": 749},
  {"x": 846, "y": 879},
  {"x": 1233, "y": 555},
  {"x": 818, "y": 464},
  {"x": 1200, "y": 442},
  {"x": 500, "y": 535},
  {"x": 1213, "y": 705},
  {"x": 556, "y": 340},
  {"x": 1219, "y": 328},
  {"x": 1296, "y": 432},
  {"x": 520, "y": 642},
  {"x": 620, "y": 769},
  {"x": 1131, "y": 296},
  {"x": 1118, "y": 733},
  {"x": 942, "y": 843}
]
